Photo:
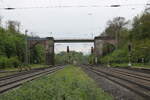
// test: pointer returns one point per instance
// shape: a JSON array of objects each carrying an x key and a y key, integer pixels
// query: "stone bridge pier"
[
  {"x": 50, "y": 51},
  {"x": 48, "y": 44},
  {"x": 99, "y": 43}
]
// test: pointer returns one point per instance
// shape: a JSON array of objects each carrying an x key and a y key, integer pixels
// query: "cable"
[{"x": 77, "y": 6}]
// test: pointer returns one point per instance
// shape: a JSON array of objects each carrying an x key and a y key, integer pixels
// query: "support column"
[
  {"x": 98, "y": 48},
  {"x": 50, "y": 51}
]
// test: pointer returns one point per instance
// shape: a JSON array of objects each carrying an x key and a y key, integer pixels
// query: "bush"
[
  {"x": 9, "y": 62},
  {"x": 3, "y": 61},
  {"x": 14, "y": 62},
  {"x": 118, "y": 56},
  {"x": 141, "y": 50}
]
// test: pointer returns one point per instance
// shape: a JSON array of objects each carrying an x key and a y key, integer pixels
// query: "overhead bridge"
[
  {"x": 73, "y": 40},
  {"x": 49, "y": 45}
]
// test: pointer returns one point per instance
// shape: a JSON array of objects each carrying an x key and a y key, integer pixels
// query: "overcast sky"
[{"x": 69, "y": 22}]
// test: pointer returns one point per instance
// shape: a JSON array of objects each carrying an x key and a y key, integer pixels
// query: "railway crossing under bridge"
[{"x": 49, "y": 42}]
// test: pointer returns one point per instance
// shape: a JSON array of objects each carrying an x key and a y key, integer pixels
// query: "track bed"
[{"x": 136, "y": 83}]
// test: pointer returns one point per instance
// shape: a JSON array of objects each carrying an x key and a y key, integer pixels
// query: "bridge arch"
[{"x": 99, "y": 43}]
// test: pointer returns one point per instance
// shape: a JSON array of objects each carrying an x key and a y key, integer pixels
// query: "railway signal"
[
  {"x": 129, "y": 49},
  {"x": 68, "y": 49},
  {"x": 92, "y": 50}
]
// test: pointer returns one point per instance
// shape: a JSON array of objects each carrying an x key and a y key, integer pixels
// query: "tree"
[
  {"x": 0, "y": 20},
  {"x": 138, "y": 35},
  {"x": 117, "y": 24},
  {"x": 37, "y": 54},
  {"x": 72, "y": 56},
  {"x": 141, "y": 28},
  {"x": 13, "y": 26},
  {"x": 115, "y": 28}
]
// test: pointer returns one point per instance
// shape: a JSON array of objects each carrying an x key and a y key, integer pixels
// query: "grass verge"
[
  {"x": 6, "y": 74},
  {"x": 24, "y": 67},
  {"x": 71, "y": 83},
  {"x": 14, "y": 70}
]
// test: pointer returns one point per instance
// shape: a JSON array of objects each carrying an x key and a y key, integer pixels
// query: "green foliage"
[
  {"x": 37, "y": 54},
  {"x": 138, "y": 36},
  {"x": 141, "y": 50},
  {"x": 11, "y": 44},
  {"x": 118, "y": 56},
  {"x": 115, "y": 26},
  {"x": 9, "y": 62},
  {"x": 141, "y": 28},
  {"x": 14, "y": 62},
  {"x": 71, "y": 57},
  {"x": 3, "y": 62},
  {"x": 71, "y": 83},
  {"x": 91, "y": 59},
  {"x": 108, "y": 48},
  {"x": 12, "y": 47}
]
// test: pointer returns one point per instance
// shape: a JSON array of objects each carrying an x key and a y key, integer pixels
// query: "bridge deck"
[{"x": 73, "y": 40}]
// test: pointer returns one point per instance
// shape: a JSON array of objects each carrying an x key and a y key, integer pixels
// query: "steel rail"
[
  {"x": 136, "y": 85},
  {"x": 16, "y": 81}
]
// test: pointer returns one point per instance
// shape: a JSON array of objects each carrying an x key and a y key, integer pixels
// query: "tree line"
[
  {"x": 71, "y": 57},
  {"x": 135, "y": 33},
  {"x": 12, "y": 46}
]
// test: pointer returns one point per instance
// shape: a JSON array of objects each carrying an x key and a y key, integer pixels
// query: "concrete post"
[{"x": 50, "y": 51}]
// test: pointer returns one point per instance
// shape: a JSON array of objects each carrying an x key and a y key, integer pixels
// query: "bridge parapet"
[{"x": 73, "y": 40}]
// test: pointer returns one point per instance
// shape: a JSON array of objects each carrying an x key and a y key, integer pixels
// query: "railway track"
[
  {"x": 21, "y": 73},
  {"x": 15, "y": 80},
  {"x": 137, "y": 69},
  {"x": 3, "y": 71},
  {"x": 137, "y": 82}
]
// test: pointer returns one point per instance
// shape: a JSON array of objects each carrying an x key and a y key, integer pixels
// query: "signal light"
[
  {"x": 92, "y": 50},
  {"x": 67, "y": 49},
  {"x": 129, "y": 47}
]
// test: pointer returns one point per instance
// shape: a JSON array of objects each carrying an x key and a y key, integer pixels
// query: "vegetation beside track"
[
  {"x": 6, "y": 74},
  {"x": 24, "y": 67},
  {"x": 13, "y": 70},
  {"x": 71, "y": 57},
  {"x": 12, "y": 47},
  {"x": 132, "y": 43},
  {"x": 71, "y": 83}
]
